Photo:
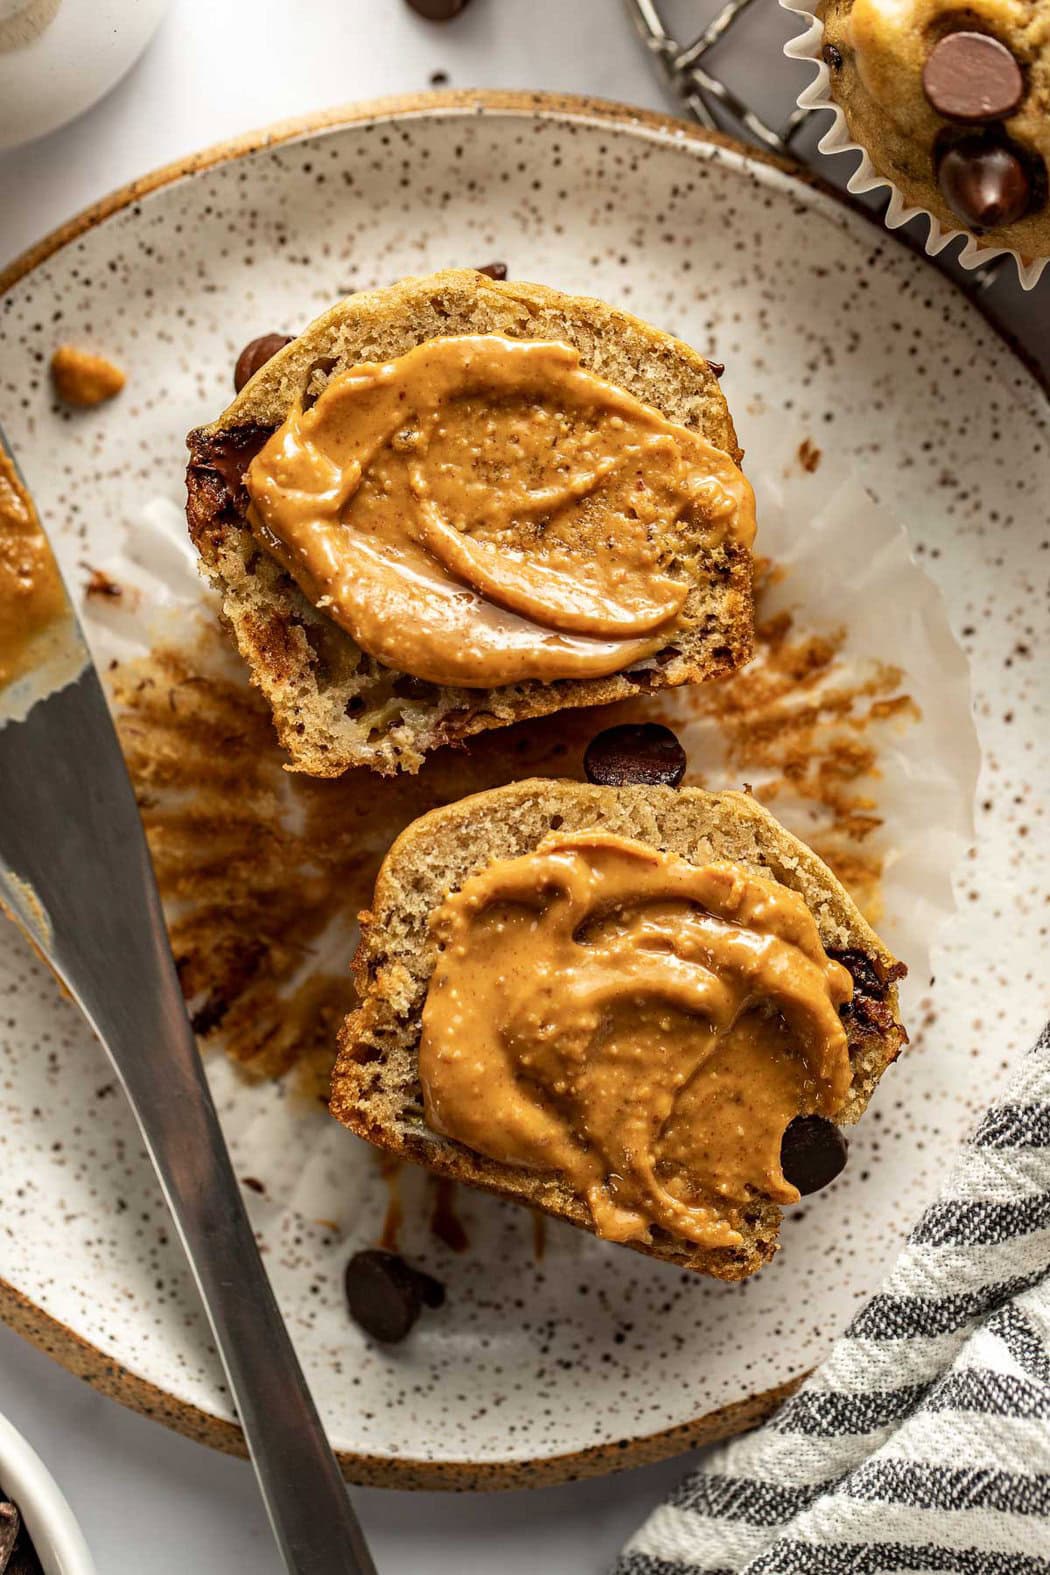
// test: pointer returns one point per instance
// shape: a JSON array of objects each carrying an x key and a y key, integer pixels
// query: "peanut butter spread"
[
  {"x": 643, "y": 1027},
  {"x": 481, "y": 511},
  {"x": 31, "y": 593}
]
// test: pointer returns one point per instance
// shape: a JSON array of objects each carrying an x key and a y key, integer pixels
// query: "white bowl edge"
[{"x": 56, "y": 1536}]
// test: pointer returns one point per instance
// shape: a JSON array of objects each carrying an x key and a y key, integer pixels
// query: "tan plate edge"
[
  {"x": 480, "y": 100},
  {"x": 86, "y": 1361},
  {"x": 389, "y": 107},
  {"x": 48, "y": 1334}
]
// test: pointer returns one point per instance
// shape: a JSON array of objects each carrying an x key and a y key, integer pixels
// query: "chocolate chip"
[
  {"x": 985, "y": 183},
  {"x": 431, "y": 1291},
  {"x": 437, "y": 10},
  {"x": 635, "y": 752},
  {"x": 812, "y": 1153},
  {"x": 832, "y": 57},
  {"x": 385, "y": 1294},
  {"x": 717, "y": 367},
  {"x": 255, "y": 355},
  {"x": 869, "y": 973},
  {"x": 493, "y": 270},
  {"x": 972, "y": 77}
]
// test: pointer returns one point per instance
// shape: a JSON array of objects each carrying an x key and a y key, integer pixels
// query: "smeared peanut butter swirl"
[
  {"x": 641, "y": 1026},
  {"x": 482, "y": 510}
]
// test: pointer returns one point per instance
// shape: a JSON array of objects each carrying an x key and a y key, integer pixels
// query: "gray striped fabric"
[{"x": 923, "y": 1442}]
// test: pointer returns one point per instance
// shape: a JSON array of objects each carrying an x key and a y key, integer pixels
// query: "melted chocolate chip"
[
  {"x": 437, "y": 10},
  {"x": 385, "y": 1294},
  {"x": 812, "y": 1153},
  {"x": 255, "y": 355},
  {"x": 972, "y": 77},
  {"x": 228, "y": 452},
  {"x": 872, "y": 978},
  {"x": 493, "y": 270},
  {"x": 644, "y": 753},
  {"x": 985, "y": 183},
  {"x": 832, "y": 57},
  {"x": 865, "y": 970}
]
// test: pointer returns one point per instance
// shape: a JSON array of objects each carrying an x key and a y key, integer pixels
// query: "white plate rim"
[{"x": 57, "y": 1339}]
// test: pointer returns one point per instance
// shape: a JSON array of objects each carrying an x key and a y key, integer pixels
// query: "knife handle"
[{"x": 79, "y": 880}]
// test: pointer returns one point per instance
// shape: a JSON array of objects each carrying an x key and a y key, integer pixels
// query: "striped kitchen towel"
[{"x": 923, "y": 1442}]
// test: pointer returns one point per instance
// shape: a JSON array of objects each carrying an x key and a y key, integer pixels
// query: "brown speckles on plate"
[{"x": 571, "y": 1364}]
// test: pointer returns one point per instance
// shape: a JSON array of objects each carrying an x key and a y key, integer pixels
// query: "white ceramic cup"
[
  {"x": 58, "y": 57},
  {"x": 55, "y": 1535}
]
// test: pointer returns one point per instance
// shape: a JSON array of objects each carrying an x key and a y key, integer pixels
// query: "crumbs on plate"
[{"x": 82, "y": 379}]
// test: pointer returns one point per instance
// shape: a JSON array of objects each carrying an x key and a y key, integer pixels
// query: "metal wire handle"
[
  {"x": 699, "y": 90},
  {"x": 695, "y": 85}
]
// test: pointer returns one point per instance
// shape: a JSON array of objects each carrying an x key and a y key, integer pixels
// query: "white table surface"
[{"x": 152, "y": 1503}]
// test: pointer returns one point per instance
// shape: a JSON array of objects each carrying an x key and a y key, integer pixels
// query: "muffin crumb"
[{"x": 84, "y": 379}]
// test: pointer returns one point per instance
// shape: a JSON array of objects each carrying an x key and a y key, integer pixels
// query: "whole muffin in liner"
[{"x": 914, "y": 136}]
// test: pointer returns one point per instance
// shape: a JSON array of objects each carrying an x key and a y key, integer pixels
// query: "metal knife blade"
[{"x": 75, "y": 874}]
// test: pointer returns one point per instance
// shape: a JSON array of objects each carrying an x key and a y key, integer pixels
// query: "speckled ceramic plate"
[{"x": 593, "y": 1357}]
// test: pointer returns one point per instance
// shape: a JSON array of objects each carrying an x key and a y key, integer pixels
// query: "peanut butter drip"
[
  {"x": 31, "y": 593},
  {"x": 641, "y": 1026},
  {"x": 483, "y": 511}
]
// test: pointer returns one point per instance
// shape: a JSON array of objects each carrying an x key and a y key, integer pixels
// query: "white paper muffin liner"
[
  {"x": 838, "y": 139},
  {"x": 845, "y": 560}
]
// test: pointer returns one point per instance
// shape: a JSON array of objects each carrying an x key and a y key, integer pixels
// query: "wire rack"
[{"x": 691, "y": 76}]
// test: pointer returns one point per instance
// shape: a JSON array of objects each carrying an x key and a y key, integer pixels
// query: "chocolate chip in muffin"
[
  {"x": 870, "y": 1002},
  {"x": 870, "y": 975},
  {"x": 985, "y": 182},
  {"x": 812, "y": 1153},
  {"x": 225, "y": 457},
  {"x": 832, "y": 57},
  {"x": 496, "y": 270},
  {"x": 255, "y": 355},
  {"x": 385, "y": 1294},
  {"x": 645, "y": 753},
  {"x": 972, "y": 77}
]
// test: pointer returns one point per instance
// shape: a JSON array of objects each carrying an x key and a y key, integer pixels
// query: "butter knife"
[{"x": 75, "y": 874}]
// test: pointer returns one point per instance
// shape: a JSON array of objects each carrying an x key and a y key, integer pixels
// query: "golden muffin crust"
[{"x": 879, "y": 53}]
